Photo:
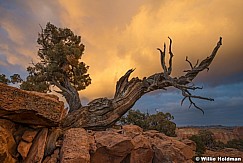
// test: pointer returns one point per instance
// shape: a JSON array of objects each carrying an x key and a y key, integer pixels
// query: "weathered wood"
[
  {"x": 70, "y": 93},
  {"x": 102, "y": 113}
]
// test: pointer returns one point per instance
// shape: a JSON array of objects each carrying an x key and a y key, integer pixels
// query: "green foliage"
[
  {"x": 204, "y": 140},
  {"x": 207, "y": 138},
  {"x": 235, "y": 143},
  {"x": 200, "y": 146},
  {"x": 15, "y": 78},
  {"x": 159, "y": 121},
  {"x": 60, "y": 55},
  {"x": 135, "y": 117},
  {"x": 4, "y": 79},
  {"x": 162, "y": 122}
]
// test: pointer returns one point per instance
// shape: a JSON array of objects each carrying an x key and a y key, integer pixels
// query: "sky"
[{"x": 122, "y": 34}]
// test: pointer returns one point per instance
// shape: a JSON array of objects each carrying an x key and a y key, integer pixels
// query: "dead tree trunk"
[{"x": 103, "y": 112}]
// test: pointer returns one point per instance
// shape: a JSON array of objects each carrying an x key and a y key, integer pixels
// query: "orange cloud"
[
  {"x": 117, "y": 41},
  {"x": 120, "y": 35}
]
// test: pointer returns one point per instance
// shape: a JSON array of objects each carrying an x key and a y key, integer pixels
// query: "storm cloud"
[{"x": 119, "y": 35}]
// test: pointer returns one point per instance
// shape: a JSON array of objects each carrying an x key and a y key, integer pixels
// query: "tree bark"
[
  {"x": 70, "y": 93},
  {"x": 103, "y": 112}
]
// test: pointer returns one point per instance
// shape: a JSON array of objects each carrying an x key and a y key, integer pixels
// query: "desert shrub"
[
  {"x": 204, "y": 140},
  {"x": 207, "y": 138},
  {"x": 235, "y": 143},
  {"x": 159, "y": 121},
  {"x": 200, "y": 146}
]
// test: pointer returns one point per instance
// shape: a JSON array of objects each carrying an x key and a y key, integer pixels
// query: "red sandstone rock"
[
  {"x": 111, "y": 147},
  {"x": 190, "y": 143},
  {"x": 10, "y": 126},
  {"x": 51, "y": 142},
  {"x": 128, "y": 144},
  {"x": 75, "y": 147},
  {"x": 131, "y": 130},
  {"x": 171, "y": 152},
  {"x": 29, "y": 135},
  {"x": 92, "y": 143},
  {"x": 144, "y": 147},
  {"x": 7, "y": 146},
  {"x": 36, "y": 151},
  {"x": 23, "y": 148},
  {"x": 168, "y": 149},
  {"x": 30, "y": 108},
  {"x": 54, "y": 158},
  {"x": 142, "y": 151}
]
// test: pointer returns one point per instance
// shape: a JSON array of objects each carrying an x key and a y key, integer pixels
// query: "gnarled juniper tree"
[{"x": 60, "y": 65}]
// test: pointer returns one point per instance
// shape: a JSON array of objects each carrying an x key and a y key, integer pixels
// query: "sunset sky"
[{"x": 122, "y": 34}]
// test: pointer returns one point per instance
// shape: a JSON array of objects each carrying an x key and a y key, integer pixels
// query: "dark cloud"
[{"x": 225, "y": 110}]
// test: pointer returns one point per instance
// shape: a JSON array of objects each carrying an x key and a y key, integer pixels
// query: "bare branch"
[
  {"x": 167, "y": 72},
  {"x": 189, "y": 63},
  {"x": 192, "y": 103},
  {"x": 192, "y": 67},
  {"x": 171, "y": 55},
  {"x": 41, "y": 28},
  {"x": 204, "y": 64},
  {"x": 162, "y": 59},
  {"x": 196, "y": 63},
  {"x": 188, "y": 95},
  {"x": 183, "y": 100}
]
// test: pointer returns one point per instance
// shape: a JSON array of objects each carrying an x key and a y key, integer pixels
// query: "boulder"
[
  {"x": 30, "y": 108},
  {"x": 111, "y": 147},
  {"x": 23, "y": 148},
  {"x": 190, "y": 143},
  {"x": 142, "y": 151},
  {"x": 92, "y": 143},
  {"x": 29, "y": 135},
  {"x": 20, "y": 130},
  {"x": 52, "y": 139},
  {"x": 131, "y": 130},
  {"x": 168, "y": 149},
  {"x": 36, "y": 152},
  {"x": 6, "y": 124},
  {"x": 75, "y": 148},
  {"x": 54, "y": 158},
  {"x": 7, "y": 146}
]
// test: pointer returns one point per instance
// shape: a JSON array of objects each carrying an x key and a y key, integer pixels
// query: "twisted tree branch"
[{"x": 103, "y": 112}]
